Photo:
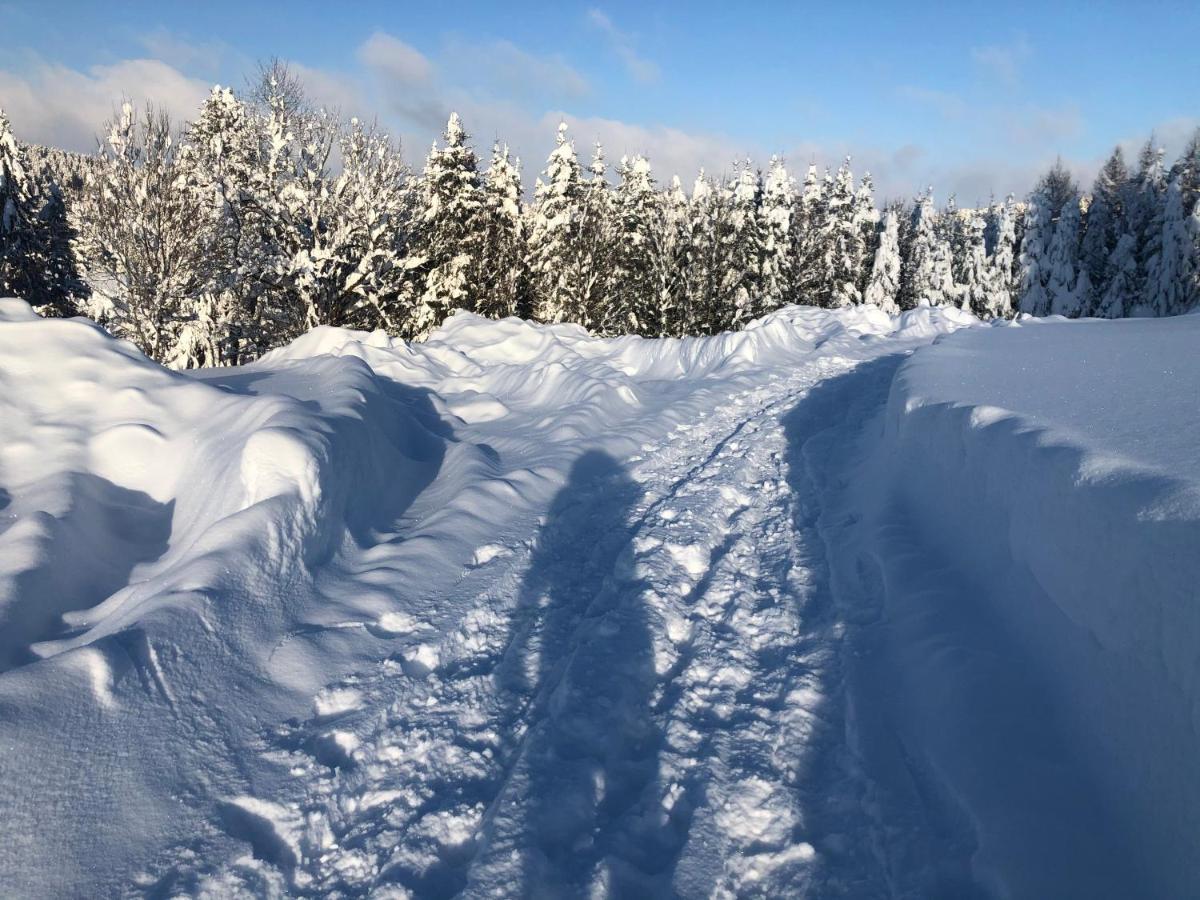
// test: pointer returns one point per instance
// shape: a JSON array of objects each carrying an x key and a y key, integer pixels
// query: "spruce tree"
[
  {"x": 1168, "y": 292},
  {"x": 1067, "y": 297},
  {"x": 553, "y": 234},
  {"x": 883, "y": 285},
  {"x": 778, "y": 261},
  {"x": 448, "y": 236},
  {"x": 502, "y": 279}
]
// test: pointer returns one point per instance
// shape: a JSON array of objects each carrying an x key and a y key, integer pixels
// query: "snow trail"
[{"x": 644, "y": 699}]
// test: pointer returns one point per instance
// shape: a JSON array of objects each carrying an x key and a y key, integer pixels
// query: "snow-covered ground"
[{"x": 521, "y": 612}]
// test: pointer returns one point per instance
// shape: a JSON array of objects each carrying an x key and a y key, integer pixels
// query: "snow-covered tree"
[
  {"x": 843, "y": 241},
  {"x": 1067, "y": 296},
  {"x": 743, "y": 284},
  {"x": 926, "y": 273},
  {"x": 502, "y": 279},
  {"x": 778, "y": 261},
  {"x": 866, "y": 220},
  {"x": 1035, "y": 251},
  {"x": 142, "y": 235},
  {"x": 1002, "y": 259},
  {"x": 976, "y": 280},
  {"x": 1169, "y": 292},
  {"x": 884, "y": 283},
  {"x": 449, "y": 233},
  {"x": 1120, "y": 279},
  {"x": 637, "y": 307},
  {"x": 554, "y": 232},
  {"x": 17, "y": 238},
  {"x": 1104, "y": 223}
]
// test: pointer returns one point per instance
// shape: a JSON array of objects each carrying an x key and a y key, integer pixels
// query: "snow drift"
[{"x": 1035, "y": 528}]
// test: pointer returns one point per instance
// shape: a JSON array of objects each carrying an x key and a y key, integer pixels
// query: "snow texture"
[{"x": 791, "y": 611}]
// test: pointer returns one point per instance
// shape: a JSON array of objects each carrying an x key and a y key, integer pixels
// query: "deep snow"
[{"x": 521, "y": 611}]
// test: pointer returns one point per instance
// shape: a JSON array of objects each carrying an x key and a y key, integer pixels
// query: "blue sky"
[{"x": 971, "y": 98}]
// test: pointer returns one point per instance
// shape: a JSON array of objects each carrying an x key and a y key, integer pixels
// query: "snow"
[
  {"x": 1032, "y": 517},
  {"x": 791, "y": 611}
]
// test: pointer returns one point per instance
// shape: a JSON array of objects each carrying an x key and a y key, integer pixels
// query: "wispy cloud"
[
  {"x": 1004, "y": 61},
  {"x": 949, "y": 105},
  {"x": 403, "y": 63},
  {"x": 621, "y": 43}
]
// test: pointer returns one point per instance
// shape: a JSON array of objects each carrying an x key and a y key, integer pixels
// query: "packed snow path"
[{"x": 641, "y": 700}]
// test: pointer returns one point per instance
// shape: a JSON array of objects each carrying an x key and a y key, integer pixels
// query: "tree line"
[{"x": 265, "y": 216}]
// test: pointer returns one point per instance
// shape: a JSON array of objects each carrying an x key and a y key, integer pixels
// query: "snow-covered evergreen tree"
[
  {"x": 502, "y": 279},
  {"x": 1104, "y": 222},
  {"x": 554, "y": 232},
  {"x": 1120, "y": 279},
  {"x": 449, "y": 234},
  {"x": 743, "y": 282},
  {"x": 884, "y": 283},
  {"x": 778, "y": 261},
  {"x": 843, "y": 241},
  {"x": 1035, "y": 251},
  {"x": 866, "y": 220},
  {"x": 18, "y": 248},
  {"x": 1187, "y": 170},
  {"x": 926, "y": 273},
  {"x": 1002, "y": 259},
  {"x": 976, "y": 277},
  {"x": 1063, "y": 278},
  {"x": 637, "y": 307},
  {"x": 1169, "y": 292}
]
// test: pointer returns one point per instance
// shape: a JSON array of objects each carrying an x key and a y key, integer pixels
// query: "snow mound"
[{"x": 1052, "y": 465}]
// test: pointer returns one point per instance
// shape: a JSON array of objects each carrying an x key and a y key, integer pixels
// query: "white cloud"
[
  {"x": 402, "y": 63},
  {"x": 56, "y": 105},
  {"x": 507, "y": 70},
  {"x": 1004, "y": 61},
  {"x": 621, "y": 43},
  {"x": 948, "y": 105}
]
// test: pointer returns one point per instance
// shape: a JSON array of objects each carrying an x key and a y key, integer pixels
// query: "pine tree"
[
  {"x": 635, "y": 308},
  {"x": 884, "y": 284},
  {"x": 18, "y": 250},
  {"x": 1169, "y": 291},
  {"x": 1062, "y": 281},
  {"x": 743, "y": 283},
  {"x": 1120, "y": 278},
  {"x": 677, "y": 258},
  {"x": 708, "y": 226},
  {"x": 502, "y": 278},
  {"x": 808, "y": 234},
  {"x": 554, "y": 231},
  {"x": 449, "y": 234},
  {"x": 1002, "y": 260},
  {"x": 1146, "y": 220},
  {"x": 843, "y": 241},
  {"x": 866, "y": 220},
  {"x": 1035, "y": 248},
  {"x": 778, "y": 261},
  {"x": 1104, "y": 224},
  {"x": 1187, "y": 170},
  {"x": 926, "y": 270},
  {"x": 976, "y": 278}
]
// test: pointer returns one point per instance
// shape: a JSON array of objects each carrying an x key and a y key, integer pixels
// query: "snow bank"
[
  {"x": 187, "y": 559},
  {"x": 1049, "y": 472}
]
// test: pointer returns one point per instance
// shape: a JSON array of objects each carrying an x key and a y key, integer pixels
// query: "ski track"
[{"x": 644, "y": 699}]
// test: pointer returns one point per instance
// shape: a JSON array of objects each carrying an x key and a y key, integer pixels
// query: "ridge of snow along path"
[{"x": 522, "y": 612}]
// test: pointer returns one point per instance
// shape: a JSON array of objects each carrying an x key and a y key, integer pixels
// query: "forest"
[{"x": 210, "y": 242}]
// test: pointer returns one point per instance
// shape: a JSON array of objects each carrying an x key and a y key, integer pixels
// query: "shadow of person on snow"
[{"x": 580, "y": 670}]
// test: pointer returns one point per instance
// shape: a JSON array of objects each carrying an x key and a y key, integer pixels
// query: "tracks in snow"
[{"x": 645, "y": 699}]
